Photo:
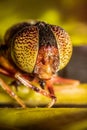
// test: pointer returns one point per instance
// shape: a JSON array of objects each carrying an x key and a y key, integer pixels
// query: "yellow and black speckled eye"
[
  {"x": 26, "y": 39},
  {"x": 24, "y": 48},
  {"x": 64, "y": 45}
]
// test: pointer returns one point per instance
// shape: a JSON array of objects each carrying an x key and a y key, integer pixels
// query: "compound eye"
[
  {"x": 64, "y": 45},
  {"x": 24, "y": 48}
]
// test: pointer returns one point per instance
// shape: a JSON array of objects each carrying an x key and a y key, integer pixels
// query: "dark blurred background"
[{"x": 70, "y": 14}]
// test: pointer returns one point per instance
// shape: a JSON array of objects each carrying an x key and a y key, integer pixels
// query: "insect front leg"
[
  {"x": 5, "y": 69},
  {"x": 10, "y": 71},
  {"x": 66, "y": 82},
  {"x": 20, "y": 77},
  {"x": 9, "y": 91},
  {"x": 28, "y": 84},
  {"x": 49, "y": 85}
]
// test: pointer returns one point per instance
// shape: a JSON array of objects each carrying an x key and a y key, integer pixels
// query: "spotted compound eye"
[
  {"x": 64, "y": 45},
  {"x": 24, "y": 48},
  {"x": 27, "y": 39}
]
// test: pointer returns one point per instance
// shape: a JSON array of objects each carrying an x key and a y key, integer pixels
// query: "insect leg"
[
  {"x": 28, "y": 84},
  {"x": 49, "y": 85},
  {"x": 65, "y": 82},
  {"x": 8, "y": 89}
]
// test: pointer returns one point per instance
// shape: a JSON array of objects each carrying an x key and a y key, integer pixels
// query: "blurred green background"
[{"x": 70, "y": 14}]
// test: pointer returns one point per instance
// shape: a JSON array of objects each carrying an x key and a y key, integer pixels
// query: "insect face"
[
  {"x": 47, "y": 62},
  {"x": 40, "y": 48}
]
